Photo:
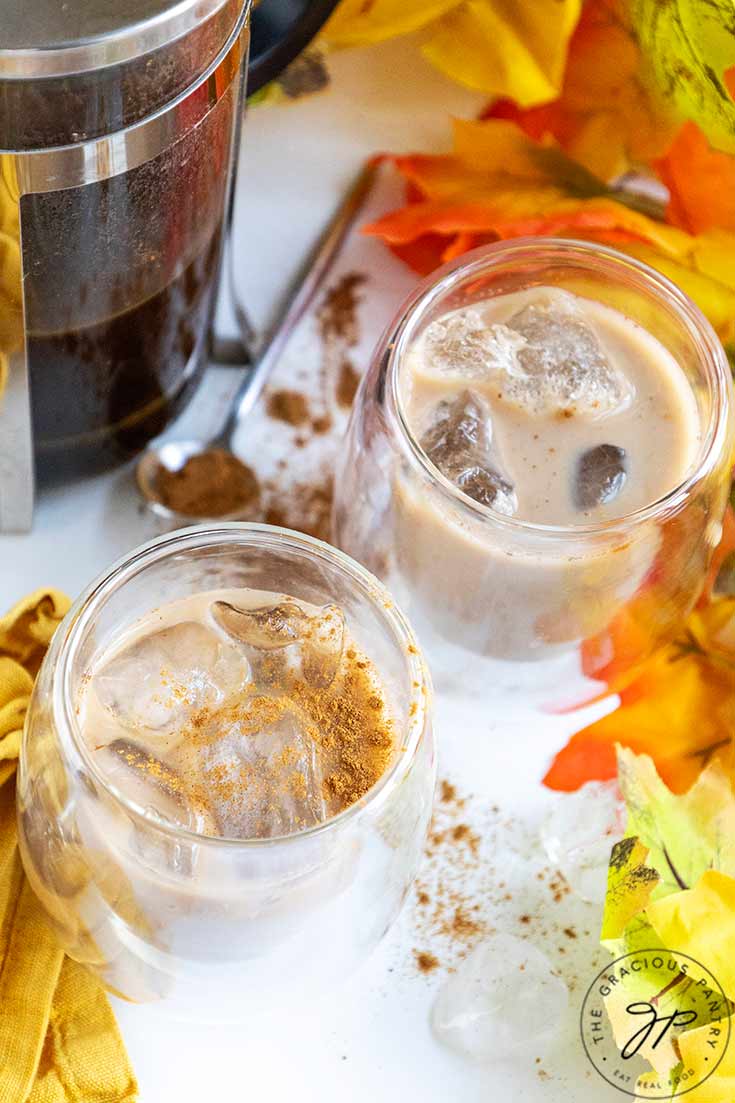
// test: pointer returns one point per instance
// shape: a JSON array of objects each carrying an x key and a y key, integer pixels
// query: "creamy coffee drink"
[
  {"x": 238, "y": 714},
  {"x": 550, "y": 409}
]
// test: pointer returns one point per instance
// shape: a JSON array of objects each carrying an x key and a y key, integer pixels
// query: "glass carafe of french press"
[{"x": 118, "y": 129}]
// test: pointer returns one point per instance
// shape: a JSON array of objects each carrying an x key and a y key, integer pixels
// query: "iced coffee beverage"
[
  {"x": 238, "y": 714},
  {"x": 539, "y": 461},
  {"x": 550, "y": 407},
  {"x": 227, "y": 772}
]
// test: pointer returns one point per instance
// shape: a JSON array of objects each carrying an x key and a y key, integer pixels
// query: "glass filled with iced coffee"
[
  {"x": 227, "y": 771},
  {"x": 538, "y": 463}
]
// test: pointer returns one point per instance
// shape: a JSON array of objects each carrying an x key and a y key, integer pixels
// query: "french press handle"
[{"x": 280, "y": 30}]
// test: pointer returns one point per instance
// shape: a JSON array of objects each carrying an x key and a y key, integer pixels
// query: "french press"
[{"x": 119, "y": 124}]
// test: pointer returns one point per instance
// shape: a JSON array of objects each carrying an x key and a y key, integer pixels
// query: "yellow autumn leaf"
[
  {"x": 504, "y": 49},
  {"x": 696, "y": 1051},
  {"x": 700, "y": 922},
  {"x": 362, "y": 22},
  {"x": 711, "y": 287},
  {"x": 516, "y": 50}
]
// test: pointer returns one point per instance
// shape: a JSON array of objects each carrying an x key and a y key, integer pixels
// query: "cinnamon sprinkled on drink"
[{"x": 347, "y": 720}]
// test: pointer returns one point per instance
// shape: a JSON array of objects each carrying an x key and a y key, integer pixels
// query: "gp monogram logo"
[{"x": 634, "y": 1014}]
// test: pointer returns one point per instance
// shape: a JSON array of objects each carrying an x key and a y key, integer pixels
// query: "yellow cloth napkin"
[{"x": 59, "y": 1041}]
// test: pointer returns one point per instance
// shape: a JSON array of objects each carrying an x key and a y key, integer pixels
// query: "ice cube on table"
[
  {"x": 463, "y": 344},
  {"x": 564, "y": 368},
  {"x": 459, "y": 443},
  {"x": 600, "y": 475},
  {"x": 504, "y": 1002},
  {"x": 160, "y": 680},
  {"x": 265, "y": 773},
  {"x": 284, "y": 639},
  {"x": 579, "y": 832}
]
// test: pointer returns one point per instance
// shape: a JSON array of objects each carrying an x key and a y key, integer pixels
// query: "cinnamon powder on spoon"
[{"x": 210, "y": 484}]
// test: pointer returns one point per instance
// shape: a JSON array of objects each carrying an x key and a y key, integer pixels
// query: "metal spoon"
[{"x": 172, "y": 455}]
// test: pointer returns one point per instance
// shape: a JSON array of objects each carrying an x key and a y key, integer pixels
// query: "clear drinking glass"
[
  {"x": 482, "y": 588},
  {"x": 215, "y": 927}
]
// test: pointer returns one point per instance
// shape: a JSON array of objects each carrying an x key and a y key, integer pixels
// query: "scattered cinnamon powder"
[
  {"x": 463, "y": 834},
  {"x": 461, "y": 925},
  {"x": 289, "y": 406},
  {"x": 463, "y": 892},
  {"x": 210, "y": 484},
  {"x": 305, "y": 508},
  {"x": 558, "y": 887},
  {"x": 338, "y": 327},
  {"x": 347, "y": 383},
  {"x": 426, "y": 962},
  {"x": 447, "y": 792},
  {"x": 337, "y": 314}
]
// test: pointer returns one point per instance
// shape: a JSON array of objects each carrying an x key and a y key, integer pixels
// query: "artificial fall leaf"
[
  {"x": 498, "y": 183},
  {"x": 363, "y": 22},
  {"x": 516, "y": 50},
  {"x": 603, "y": 117},
  {"x": 700, "y": 181},
  {"x": 697, "y": 1053},
  {"x": 679, "y": 708},
  {"x": 700, "y": 922},
  {"x": 688, "y": 47},
  {"x": 636, "y": 70},
  {"x": 639, "y": 987},
  {"x": 504, "y": 49},
  {"x": 683, "y": 835},
  {"x": 630, "y": 882}
]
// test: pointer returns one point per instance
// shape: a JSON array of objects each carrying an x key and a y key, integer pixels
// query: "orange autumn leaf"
[
  {"x": 636, "y": 70},
  {"x": 700, "y": 181},
  {"x": 498, "y": 183},
  {"x": 603, "y": 117},
  {"x": 679, "y": 709}
]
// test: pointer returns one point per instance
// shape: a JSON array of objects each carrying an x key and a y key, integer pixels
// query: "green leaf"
[
  {"x": 685, "y": 835},
  {"x": 687, "y": 46}
]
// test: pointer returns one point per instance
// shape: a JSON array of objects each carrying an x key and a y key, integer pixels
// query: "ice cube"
[
  {"x": 564, "y": 367},
  {"x": 282, "y": 640},
  {"x": 503, "y": 1003},
  {"x": 600, "y": 475},
  {"x": 265, "y": 771},
  {"x": 464, "y": 344},
  {"x": 153, "y": 785},
  {"x": 459, "y": 443},
  {"x": 460, "y": 428},
  {"x": 160, "y": 680},
  {"x": 578, "y": 834}
]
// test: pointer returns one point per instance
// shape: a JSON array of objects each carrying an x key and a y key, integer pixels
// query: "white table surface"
[{"x": 370, "y": 1039}]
